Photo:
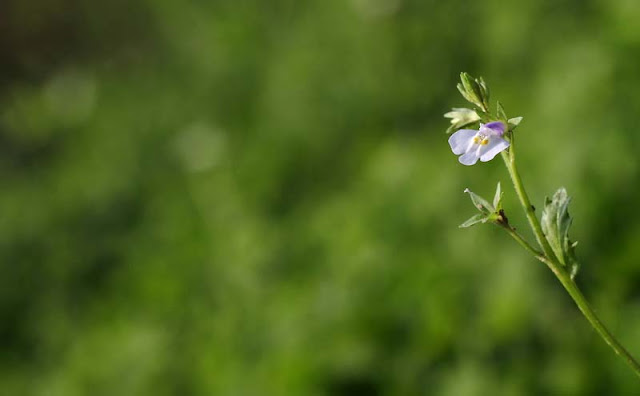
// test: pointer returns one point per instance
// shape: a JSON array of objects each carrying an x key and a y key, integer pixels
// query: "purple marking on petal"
[{"x": 497, "y": 127}]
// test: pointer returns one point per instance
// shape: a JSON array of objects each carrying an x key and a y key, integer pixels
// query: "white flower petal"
[
  {"x": 460, "y": 140},
  {"x": 469, "y": 158},
  {"x": 495, "y": 146}
]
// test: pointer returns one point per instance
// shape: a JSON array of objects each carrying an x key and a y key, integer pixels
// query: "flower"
[
  {"x": 461, "y": 117},
  {"x": 483, "y": 144}
]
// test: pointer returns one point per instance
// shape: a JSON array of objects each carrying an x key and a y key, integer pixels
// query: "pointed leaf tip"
[
  {"x": 480, "y": 203},
  {"x": 514, "y": 122},
  {"x": 497, "y": 198}
]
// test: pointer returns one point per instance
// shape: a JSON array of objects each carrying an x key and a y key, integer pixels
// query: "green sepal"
[
  {"x": 480, "y": 203},
  {"x": 488, "y": 213},
  {"x": 472, "y": 88},
  {"x": 497, "y": 198},
  {"x": 514, "y": 122},
  {"x": 485, "y": 91},
  {"x": 475, "y": 219},
  {"x": 469, "y": 98}
]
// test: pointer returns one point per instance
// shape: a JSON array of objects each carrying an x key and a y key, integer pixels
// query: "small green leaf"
[
  {"x": 480, "y": 203},
  {"x": 514, "y": 122},
  {"x": 497, "y": 198},
  {"x": 555, "y": 223},
  {"x": 473, "y": 220}
]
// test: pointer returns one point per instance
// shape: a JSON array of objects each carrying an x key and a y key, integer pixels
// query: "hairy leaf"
[{"x": 555, "y": 222}]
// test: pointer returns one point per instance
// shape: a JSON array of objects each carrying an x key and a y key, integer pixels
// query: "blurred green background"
[{"x": 251, "y": 197}]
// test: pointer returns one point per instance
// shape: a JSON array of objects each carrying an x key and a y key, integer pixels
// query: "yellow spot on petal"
[{"x": 484, "y": 142}]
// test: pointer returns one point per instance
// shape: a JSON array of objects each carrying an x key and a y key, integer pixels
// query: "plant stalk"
[
  {"x": 549, "y": 258},
  {"x": 509, "y": 160},
  {"x": 523, "y": 242},
  {"x": 582, "y": 303}
]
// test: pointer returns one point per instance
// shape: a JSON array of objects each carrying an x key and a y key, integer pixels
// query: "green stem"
[
  {"x": 509, "y": 160},
  {"x": 575, "y": 293},
  {"x": 549, "y": 258},
  {"x": 512, "y": 231}
]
